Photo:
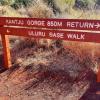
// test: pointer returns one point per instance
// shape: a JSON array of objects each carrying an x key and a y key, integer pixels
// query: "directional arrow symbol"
[
  {"x": 8, "y": 31},
  {"x": 97, "y": 25}
]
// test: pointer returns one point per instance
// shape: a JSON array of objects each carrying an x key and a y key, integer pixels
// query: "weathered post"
[{"x": 6, "y": 51}]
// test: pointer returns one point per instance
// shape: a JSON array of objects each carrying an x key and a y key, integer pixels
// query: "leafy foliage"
[
  {"x": 81, "y": 3},
  {"x": 7, "y": 2},
  {"x": 18, "y": 3}
]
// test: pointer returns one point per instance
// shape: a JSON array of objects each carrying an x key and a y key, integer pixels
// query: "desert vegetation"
[
  {"x": 61, "y": 8},
  {"x": 45, "y": 69}
]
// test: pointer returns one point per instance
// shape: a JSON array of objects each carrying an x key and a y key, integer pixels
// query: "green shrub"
[
  {"x": 24, "y": 3},
  {"x": 7, "y": 2},
  {"x": 81, "y": 4},
  {"x": 90, "y": 4}
]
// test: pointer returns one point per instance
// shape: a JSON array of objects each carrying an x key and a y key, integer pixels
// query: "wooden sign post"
[
  {"x": 49, "y": 29},
  {"x": 6, "y": 51}
]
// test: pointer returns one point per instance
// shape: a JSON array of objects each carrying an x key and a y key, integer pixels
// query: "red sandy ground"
[{"x": 58, "y": 75}]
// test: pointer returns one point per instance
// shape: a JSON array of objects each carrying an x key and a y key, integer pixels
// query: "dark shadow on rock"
[
  {"x": 2, "y": 68},
  {"x": 90, "y": 94},
  {"x": 59, "y": 79}
]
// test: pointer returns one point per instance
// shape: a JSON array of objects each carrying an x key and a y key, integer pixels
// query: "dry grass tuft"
[
  {"x": 86, "y": 51},
  {"x": 8, "y": 11},
  {"x": 40, "y": 10}
]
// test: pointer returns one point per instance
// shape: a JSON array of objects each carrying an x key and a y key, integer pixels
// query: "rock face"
[{"x": 55, "y": 73}]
